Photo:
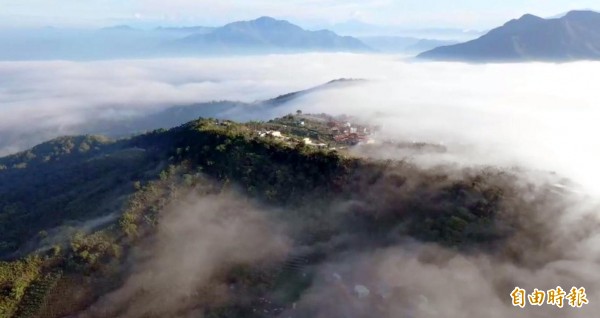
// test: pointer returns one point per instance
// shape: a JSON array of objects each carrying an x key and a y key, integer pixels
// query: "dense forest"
[{"x": 77, "y": 212}]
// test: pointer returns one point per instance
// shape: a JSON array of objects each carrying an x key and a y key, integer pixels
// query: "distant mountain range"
[
  {"x": 361, "y": 29},
  {"x": 400, "y": 44},
  {"x": 268, "y": 34},
  {"x": 263, "y": 35},
  {"x": 574, "y": 36},
  {"x": 566, "y": 37}
]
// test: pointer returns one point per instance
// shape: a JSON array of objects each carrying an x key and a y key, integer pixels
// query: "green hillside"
[{"x": 73, "y": 210}]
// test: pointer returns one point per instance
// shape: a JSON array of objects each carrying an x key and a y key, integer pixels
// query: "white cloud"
[
  {"x": 53, "y": 97},
  {"x": 542, "y": 116},
  {"x": 539, "y": 115}
]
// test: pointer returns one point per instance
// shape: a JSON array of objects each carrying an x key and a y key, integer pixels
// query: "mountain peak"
[
  {"x": 269, "y": 34},
  {"x": 269, "y": 21},
  {"x": 266, "y": 19},
  {"x": 523, "y": 22},
  {"x": 576, "y": 36},
  {"x": 530, "y": 18},
  {"x": 577, "y": 14},
  {"x": 264, "y": 22}
]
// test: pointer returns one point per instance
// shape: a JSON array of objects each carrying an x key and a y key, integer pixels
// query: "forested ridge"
[{"x": 73, "y": 209}]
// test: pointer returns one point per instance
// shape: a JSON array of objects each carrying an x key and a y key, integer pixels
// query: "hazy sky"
[{"x": 475, "y": 14}]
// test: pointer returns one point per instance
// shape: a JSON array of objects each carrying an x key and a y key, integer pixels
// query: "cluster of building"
[
  {"x": 309, "y": 142},
  {"x": 272, "y": 134},
  {"x": 278, "y": 135},
  {"x": 342, "y": 129},
  {"x": 345, "y": 132}
]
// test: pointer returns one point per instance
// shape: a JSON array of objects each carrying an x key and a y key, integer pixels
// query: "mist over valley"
[{"x": 257, "y": 168}]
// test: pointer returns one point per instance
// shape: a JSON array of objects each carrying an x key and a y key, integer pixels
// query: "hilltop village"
[
  {"x": 328, "y": 132},
  {"x": 319, "y": 130}
]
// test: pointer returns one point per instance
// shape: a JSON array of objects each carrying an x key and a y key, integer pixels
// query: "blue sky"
[{"x": 469, "y": 14}]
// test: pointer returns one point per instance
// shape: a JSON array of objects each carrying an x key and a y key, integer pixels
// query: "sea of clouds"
[{"x": 539, "y": 117}]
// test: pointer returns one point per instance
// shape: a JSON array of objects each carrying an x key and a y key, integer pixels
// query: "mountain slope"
[
  {"x": 576, "y": 36},
  {"x": 268, "y": 34},
  {"x": 230, "y": 110},
  {"x": 330, "y": 205},
  {"x": 168, "y": 117}
]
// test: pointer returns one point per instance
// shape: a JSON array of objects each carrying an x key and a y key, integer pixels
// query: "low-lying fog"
[{"x": 540, "y": 115}]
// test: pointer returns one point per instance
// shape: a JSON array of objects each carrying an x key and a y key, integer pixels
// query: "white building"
[{"x": 274, "y": 134}]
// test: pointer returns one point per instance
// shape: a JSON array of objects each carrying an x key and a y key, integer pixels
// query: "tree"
[{"x": 299, "y": 112}]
